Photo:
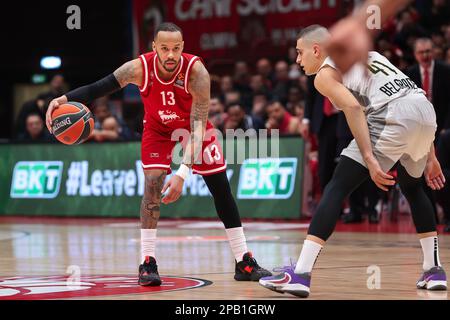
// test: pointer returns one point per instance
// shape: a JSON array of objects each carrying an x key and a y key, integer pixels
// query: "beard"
[
  {"x": 166, "y": 67},
  {"x": 170, "y": 69}
]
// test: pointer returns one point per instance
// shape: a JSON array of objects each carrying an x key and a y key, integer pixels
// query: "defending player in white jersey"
[{"x": 393, "y": 123}]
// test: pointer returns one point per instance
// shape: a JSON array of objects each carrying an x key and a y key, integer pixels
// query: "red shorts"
[{"x": 157, "y": 148}]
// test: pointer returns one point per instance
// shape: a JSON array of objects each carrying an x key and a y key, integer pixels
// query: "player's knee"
[
  {"x": 154, "y": 182},
  {"x": 218, "y": 185},
  {"x": 337, "y": 187},
  {"x": 409, "y": 185}
]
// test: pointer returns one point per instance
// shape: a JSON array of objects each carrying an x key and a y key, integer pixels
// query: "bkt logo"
[
  {"x": 36, "y": 179},
  {"x": 267, "y": 178}
]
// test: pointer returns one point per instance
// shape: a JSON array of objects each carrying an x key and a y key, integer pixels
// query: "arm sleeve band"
[{"x": 102, "y": 87}]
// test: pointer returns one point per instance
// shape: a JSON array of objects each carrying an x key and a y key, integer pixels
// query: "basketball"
[{"x": 72, "y": 123}]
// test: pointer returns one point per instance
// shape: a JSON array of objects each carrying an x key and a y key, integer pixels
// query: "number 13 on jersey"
[{"x": 168, "y": 98}]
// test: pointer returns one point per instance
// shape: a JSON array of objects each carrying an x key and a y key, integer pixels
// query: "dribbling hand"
[{"x": 54, "y": 104}]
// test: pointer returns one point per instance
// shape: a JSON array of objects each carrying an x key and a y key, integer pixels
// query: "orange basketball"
[{"x": 72, "y": 123}]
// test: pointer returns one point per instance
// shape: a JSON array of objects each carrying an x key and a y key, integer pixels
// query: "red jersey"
[{"x": 167, "y": 104}]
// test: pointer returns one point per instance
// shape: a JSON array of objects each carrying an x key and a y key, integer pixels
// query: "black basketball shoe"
[
  {"x": 249, "y": 270},
  {"x": 148, "y": 273}
]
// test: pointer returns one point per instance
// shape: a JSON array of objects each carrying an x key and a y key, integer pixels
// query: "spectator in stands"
[
  {"x": 443, "y": 153},
  {"x": 36, "y": 106},
  {"x": 282, "y": 82},
  {"x": 226, "y": 84},
  {"x": 109, "y": 131},
  {"x": 438, "y": 39},
  {"x": 217, "y": 115},
  {"x": 237, "y": 119},
  {"x": 433, "y": 76},
  {"x": 108, "y": 127},
  {"x": 258, "y": 85},
  {"x": 438, "y": 53},
  {"x": 298, "y": 110},
  {"x": 57, "y": 88},
  {"x": 260, "y": 101},
  {"x": 241, "y": 81},
  {"x": 39, "y": 105},
  {"x": 241, "y": 77},
  {"x": 446, "y": 32},
  {"x": 279, "y": 118},
  {"x": 35, "y": 130},
  {"x": 408, "y": 29},
  {"x": 294, "y": 98},
  {"x": 437, "y": 15},
  {"x": 232, "y": 97},
  {"x": 303, "y": 83},
  {"x": 264, "y": 68},
  {"x": 292, "y": 55}
]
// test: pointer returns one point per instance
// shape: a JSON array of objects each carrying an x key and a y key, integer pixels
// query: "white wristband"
[{"x": 183, "y": 171}]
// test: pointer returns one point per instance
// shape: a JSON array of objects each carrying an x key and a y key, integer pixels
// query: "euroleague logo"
[{"x": 59, "y": 287}]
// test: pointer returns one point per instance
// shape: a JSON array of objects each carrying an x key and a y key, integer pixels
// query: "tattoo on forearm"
[
  {"x": 200, "y": 89},
  {"x": 150, "y": 205}
]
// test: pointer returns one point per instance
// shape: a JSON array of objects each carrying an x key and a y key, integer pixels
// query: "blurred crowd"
[{"x": 267, "y": 94}]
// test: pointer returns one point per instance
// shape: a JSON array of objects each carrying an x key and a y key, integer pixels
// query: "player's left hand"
[
  {"x": 433, "y": 174},
  {"x": 175, "y": 186}
]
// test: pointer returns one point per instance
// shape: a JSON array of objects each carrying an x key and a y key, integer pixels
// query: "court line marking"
[{"x": 21, "y": 234}]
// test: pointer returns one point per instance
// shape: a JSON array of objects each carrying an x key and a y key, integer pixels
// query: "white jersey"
[{"x": 376, "y": 84}]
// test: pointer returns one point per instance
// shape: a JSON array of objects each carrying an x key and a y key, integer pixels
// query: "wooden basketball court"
[{"x": 40, "y": 258}]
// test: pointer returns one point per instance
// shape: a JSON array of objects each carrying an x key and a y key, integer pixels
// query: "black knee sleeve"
[
  {"x": 224, "y": 202},
  {"x": 348, "y": 175},
  {"x": 421, "y": 206}
]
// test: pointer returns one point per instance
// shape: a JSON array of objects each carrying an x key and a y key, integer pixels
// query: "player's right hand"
[
  {"x": 54, "y": 104},
  {"x": 379, "y": 177}
]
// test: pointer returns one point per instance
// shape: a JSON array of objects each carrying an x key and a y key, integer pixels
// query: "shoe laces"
[
  {"x": 252, "y": 262},
  {"x": 285, "y": 268},
  {"x": 150, "y": 267}
]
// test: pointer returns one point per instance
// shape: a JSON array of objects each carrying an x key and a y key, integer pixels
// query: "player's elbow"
[{"x": 351, "y": 108}]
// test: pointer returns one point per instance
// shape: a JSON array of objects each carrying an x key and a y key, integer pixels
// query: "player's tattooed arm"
[
  {"x": 130, "y": 72},
  {"x": 150, "y": 205},
  {"x": 199, "y": 86}
]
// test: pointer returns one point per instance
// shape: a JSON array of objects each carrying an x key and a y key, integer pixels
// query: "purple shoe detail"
[{"x": 433, "y": 279}]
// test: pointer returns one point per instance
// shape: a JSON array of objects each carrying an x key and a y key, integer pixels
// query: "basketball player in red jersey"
[{"x": 175, "y": 90}]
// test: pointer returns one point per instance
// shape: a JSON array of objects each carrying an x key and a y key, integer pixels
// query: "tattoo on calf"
[{"x": 150, "y": 205}]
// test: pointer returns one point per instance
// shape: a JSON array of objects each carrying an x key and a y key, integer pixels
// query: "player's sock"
[
  {"x": 308, "y": 256},
  {"x": 238, "y": 244},
  {"x": 148, "y": 243},
  {"x": 430, "y": 248}
]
